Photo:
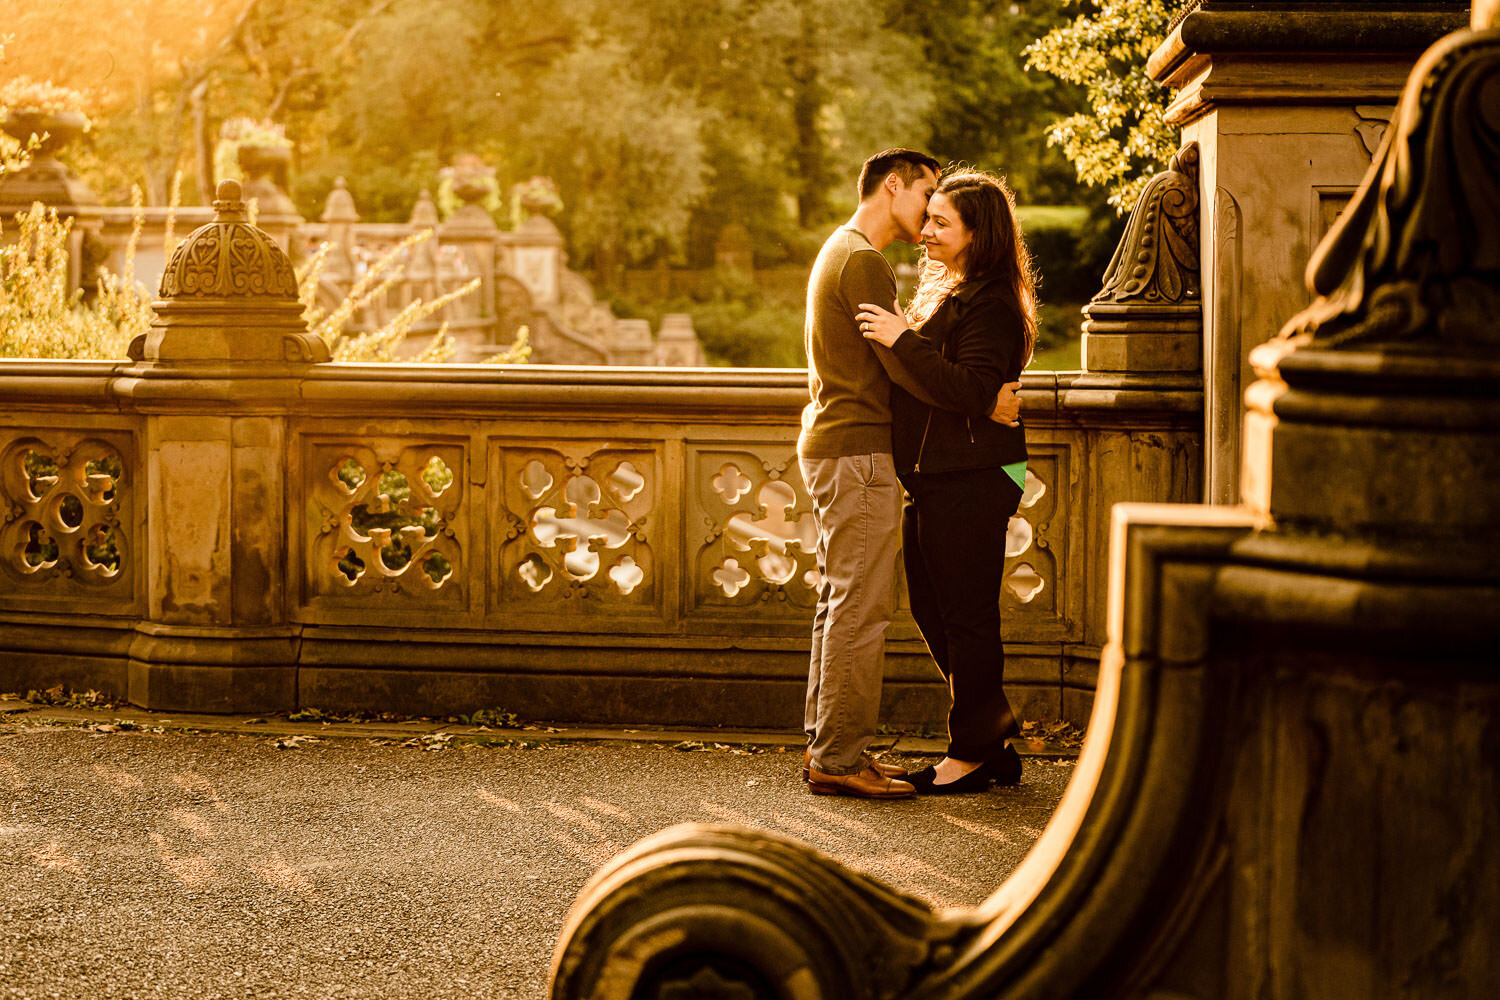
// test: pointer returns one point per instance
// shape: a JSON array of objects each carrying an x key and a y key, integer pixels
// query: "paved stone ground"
[{"x": 167, "y": 864}]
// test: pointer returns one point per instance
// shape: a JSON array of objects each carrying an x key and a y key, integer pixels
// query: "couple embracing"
[{"x": 918, "y": 401}]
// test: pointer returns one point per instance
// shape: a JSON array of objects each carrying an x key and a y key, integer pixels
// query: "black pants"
[{"x": 953, "y": 538}]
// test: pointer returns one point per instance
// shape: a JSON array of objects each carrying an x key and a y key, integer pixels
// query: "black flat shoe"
[
  {"x": 1005, "y": 767},
  {"x": 925, "y": 782}
]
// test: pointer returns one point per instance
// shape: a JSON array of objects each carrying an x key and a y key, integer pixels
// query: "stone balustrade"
[{"x": 570, "y": 543}]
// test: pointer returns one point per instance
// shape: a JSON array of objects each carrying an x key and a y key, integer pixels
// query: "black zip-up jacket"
[{"x": 972, "y": 345}]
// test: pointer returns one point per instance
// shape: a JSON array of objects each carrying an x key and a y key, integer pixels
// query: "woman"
[{"x": 971, "y": 328}]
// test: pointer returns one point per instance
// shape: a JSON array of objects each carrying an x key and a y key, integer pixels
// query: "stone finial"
[
  {"x": 228, "y": 257},
  {"x": 424, "y": 214},
  {"x": 340, "y": 204},
  {"x": 228, "y": 293},
  {"x": 1148, "y": 317}
]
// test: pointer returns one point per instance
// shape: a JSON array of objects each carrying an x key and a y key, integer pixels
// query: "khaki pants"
[{"x": 857, "y": 509}]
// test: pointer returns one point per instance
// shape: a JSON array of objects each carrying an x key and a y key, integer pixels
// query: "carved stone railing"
[
  {"x": 230, "y": 522},
  {"x": 568, "y": 543}
]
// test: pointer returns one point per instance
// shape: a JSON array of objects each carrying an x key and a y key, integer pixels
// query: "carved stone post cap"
[
  {"x": 228, "y": 293},
  {"x": 228, "y": 257},
  {"x": 340, "y": 204},
  {"x": 1375, "y": 414},
  {"x": 424, "y": 214}
]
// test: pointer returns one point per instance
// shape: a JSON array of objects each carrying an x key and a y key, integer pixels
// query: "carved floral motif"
[{"x": 62, "y": 503}]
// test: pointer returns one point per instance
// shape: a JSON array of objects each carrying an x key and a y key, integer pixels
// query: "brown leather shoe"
[
  {"x": 889, "y": 770},
  {"x": 866, "y": 784}
]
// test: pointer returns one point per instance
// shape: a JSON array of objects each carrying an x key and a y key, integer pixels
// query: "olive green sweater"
[{"x": 848, "y": 376}]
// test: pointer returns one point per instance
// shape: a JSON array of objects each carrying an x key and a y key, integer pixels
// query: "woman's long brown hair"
[{"x": 987, "y": 208}]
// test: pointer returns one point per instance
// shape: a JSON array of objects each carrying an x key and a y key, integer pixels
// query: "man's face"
[{"x": 909, "y": 204}]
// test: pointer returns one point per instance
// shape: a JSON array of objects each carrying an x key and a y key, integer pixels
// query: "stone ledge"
[{"x": 1358, "y": 32}]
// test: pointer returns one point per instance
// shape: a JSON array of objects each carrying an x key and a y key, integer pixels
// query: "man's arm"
[
  {"x": 869, "y": 279},
  {"x": 900, "y": 375}
]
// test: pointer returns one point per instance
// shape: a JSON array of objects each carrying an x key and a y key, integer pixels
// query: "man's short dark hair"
[{"x": 906, "y": 164}]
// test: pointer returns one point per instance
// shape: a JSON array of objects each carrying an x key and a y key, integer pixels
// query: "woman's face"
[{"x": 944, "y": 234}]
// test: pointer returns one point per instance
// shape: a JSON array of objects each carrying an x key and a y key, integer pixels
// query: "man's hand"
[{"x": 1007, "y": 409}]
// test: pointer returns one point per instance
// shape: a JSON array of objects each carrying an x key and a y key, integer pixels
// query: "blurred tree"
[
  {"x": 661, "y": 121},
  {"x": 1121, "y": 140},
  {"x": 989, "y": 111},
  {"x": 631, "y": 165},
  {"x": 138, "y": 62}
]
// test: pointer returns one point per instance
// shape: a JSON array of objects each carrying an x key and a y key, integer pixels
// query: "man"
[{"x": 845, "y": 455}]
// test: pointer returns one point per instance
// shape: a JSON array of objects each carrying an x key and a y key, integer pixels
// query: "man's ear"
[{"x": 892, "y": 183}]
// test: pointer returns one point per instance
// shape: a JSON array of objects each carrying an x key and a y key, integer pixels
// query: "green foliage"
[
  {"x": 989, "y": 111},
  {"x": 41, "y": 316},
  {"x": 1121, "y": 139}
]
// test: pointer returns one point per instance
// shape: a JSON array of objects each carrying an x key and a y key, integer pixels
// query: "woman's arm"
[{"x": 984, "y": 346}]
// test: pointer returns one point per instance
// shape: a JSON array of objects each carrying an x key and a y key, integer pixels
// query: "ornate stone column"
[
  {"x": 1286, "y": 107},
  {"x": 216, "y": 377}
]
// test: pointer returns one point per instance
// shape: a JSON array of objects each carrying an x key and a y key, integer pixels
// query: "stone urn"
[
  {"x": 472, "y": 187},
  {"x": 57, "y": 129},
  {"x": 537, "y": 196},
  {"x": 472, "y": 181},
  {"x": 45, "y": 179},
  {"x": 266, "y": 169}
]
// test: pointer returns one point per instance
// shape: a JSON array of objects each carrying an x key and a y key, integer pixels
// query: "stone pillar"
[
  {"x": 677, "y": 342},
  {"x": 216, "y": 376},
  {"x": 534, "y": 254},
  {"x": 1148, "y": 317},
  {"x": 422, "y": 269},
  {"x": 47, "y": 180},
  {"x": 475, "y": 234},
  {"x": 340, "y": 216},
  {"x": 1286, "y": 108},
  {"x": 632, "y": 343}
]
